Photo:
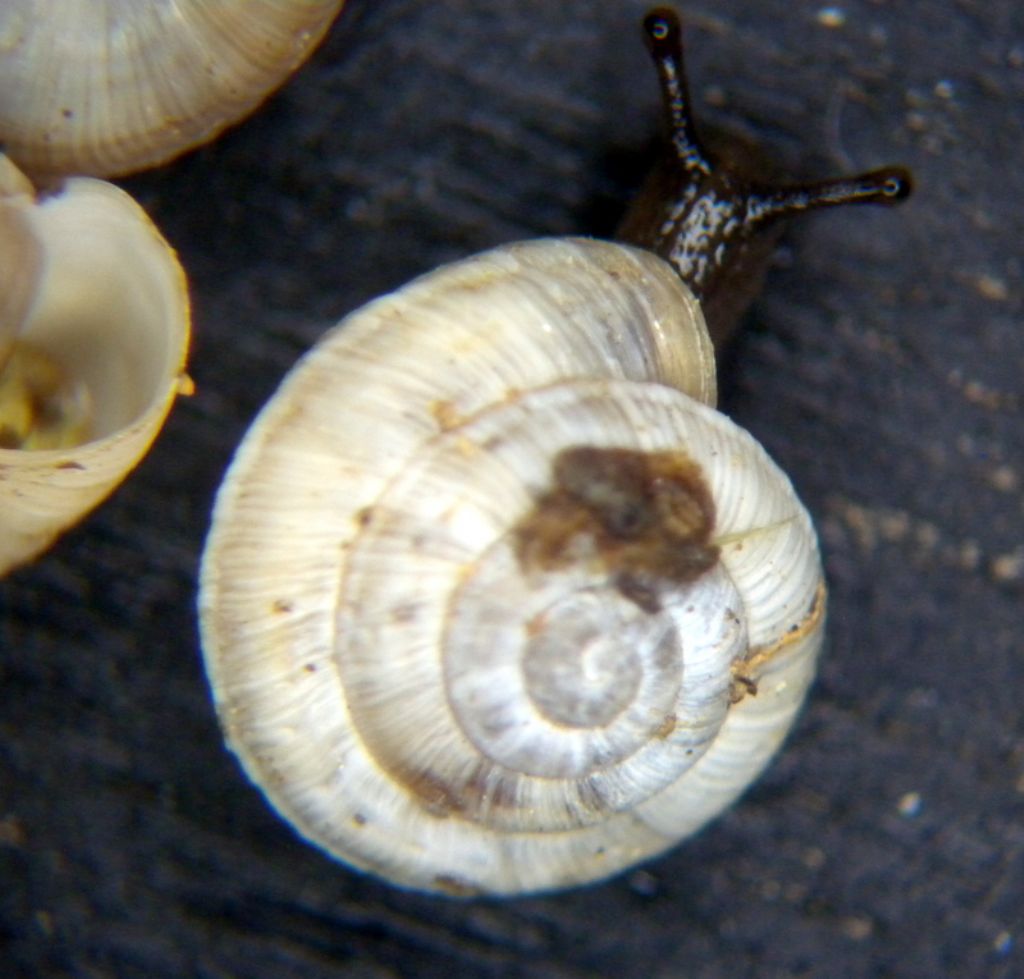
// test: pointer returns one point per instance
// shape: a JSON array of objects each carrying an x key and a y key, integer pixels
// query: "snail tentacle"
[{"x": 713, "y": 224}]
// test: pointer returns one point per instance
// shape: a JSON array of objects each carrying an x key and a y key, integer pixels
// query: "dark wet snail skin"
[{"x": 716, "y": 227}]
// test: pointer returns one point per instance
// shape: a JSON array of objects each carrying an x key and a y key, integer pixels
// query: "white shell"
[
  {"x": 98, "y": 299},
  {"x": 105, "y": 87},
  {"x": 387, "y": 672},
  {"x": 21, "y": 255}
]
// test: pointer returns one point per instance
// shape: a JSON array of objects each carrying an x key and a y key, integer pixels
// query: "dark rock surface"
[{"x": 882, "y": 368}]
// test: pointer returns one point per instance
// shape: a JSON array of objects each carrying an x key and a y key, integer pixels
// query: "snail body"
[
  {"x": 94, "y": 329},
  {"x": 140, "y": 82},
  {"x": 494, "y": 600}
]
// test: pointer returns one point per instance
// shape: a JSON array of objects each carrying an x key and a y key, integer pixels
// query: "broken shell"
[{"x": 95, "y": 334}]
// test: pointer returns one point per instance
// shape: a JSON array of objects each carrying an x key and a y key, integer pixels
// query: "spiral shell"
[
  {"x": 106, "y": 87},
  {"x": 94, "y": 327},
  {"x": 494, "y": 601}
]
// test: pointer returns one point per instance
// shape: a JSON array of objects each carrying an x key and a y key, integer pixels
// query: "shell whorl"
[
  {"x": 106, "y": 87},
  {"x": 427, "y": 541}
]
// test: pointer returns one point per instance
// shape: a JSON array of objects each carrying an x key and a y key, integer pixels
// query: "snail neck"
[{"x": 716, "y": 227}]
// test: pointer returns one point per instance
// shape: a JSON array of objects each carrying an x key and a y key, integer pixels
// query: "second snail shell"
[
  {"x": 495, "y": 601},
  {"x": 106, "y": 87},
  {"x": 94, "y": 334}
]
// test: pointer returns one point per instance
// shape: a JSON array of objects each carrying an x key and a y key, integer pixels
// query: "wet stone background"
[{"x": 881, "y": 367}]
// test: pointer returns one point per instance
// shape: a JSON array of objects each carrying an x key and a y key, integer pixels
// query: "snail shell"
[
  {"x": 494, "y": 600},
  {"x": 106, "y": 87},
  {"x": 94, "y": 327}
]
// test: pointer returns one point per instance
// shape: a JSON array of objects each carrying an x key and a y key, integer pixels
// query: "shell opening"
[
  {"x": 97, "y": 321},
  {"x": 99, "y": 343},
  {"x": 42, "y": 405}
]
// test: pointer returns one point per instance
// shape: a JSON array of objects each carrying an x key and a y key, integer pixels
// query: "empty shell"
[
  {"x": 95, "y": 334},
  {"x": 106, "y": 87}
]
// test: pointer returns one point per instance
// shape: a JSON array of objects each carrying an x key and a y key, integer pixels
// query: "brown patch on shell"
[
  {"x": 446, "y": 414},
  {"x": 644, "y": 517}
]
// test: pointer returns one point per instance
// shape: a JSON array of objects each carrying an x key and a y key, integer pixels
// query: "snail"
[
  {"x": 140, "y": 82},
  {"x": 494, "y": 601},
  {"x": 94, "y": 329}
]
